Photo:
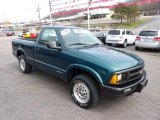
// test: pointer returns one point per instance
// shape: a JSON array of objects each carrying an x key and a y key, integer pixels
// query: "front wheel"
[
  {"x": 84, "y": 91},
  {"x": 24, "y": 66}
]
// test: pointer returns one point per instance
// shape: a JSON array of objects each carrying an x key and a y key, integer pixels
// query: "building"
[
  {"x": 71, "y": 9},
  {"x": 66, "y": 10}
]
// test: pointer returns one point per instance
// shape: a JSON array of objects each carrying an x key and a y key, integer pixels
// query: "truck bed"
[{"x": 27, "y": 45}]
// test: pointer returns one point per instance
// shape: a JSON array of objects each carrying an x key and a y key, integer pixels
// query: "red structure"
[{"x": 63, "y": 13}]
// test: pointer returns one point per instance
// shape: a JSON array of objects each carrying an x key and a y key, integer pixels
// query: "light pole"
[
  {"x": 50, "y": 10},
  {"x": 89, "y": 3},
  {"x": 39, "y": 14}
]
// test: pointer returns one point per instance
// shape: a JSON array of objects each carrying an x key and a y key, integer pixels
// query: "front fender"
[
  {"x": 21, "y": 50},
  {"x": 88, "y": 69}
]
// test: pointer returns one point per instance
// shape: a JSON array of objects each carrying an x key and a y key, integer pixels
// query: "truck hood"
[{"x": 119, "y": 59}]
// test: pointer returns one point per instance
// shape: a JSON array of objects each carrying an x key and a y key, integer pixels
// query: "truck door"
[{"x": 48, "y": 59}]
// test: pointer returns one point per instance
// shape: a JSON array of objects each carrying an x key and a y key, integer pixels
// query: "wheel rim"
[
  {"x": 125, "y": 44},
  {"x": 81, "y": 92},
  {"x": 22, "y": 64}
]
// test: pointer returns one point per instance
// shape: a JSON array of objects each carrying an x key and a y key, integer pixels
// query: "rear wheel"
[
  {"x": 84, "y": 91},
  {"x": 124, "y": 44},
  {"x": 24, "y": 66},
  {"x": 137, "y": 48},
  {"x": 109, "y": 44},
  {"x": 134, "y": 43}
]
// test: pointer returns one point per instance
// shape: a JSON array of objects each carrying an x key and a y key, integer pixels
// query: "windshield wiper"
[
  {"x": 93, "y": 45},
  {"x": 78, "y": 44}
]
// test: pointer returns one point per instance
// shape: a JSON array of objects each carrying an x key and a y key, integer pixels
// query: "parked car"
[
  {"x": 120, "y": 36},
  {"x": 26, "y": 35},
  {"x": 148, "y": 39},
  {"x": 77, "y": 56},
  {"x": 95, "y": 29},
  {"x": 30, "y": 33},
  {"x": 101, "y": 35},
  {"x": 25, "y": 30},
  {"x": 10, "y": 32},
  {"x": 20, "y": 34}
]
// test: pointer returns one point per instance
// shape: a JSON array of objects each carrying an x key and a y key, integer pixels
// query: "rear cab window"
[
  {"x": 114, "y": 32},
  {"x": 148, "y": 33}
]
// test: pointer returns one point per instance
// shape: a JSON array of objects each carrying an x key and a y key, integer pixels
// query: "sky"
[{"x": 22, "y": 10}]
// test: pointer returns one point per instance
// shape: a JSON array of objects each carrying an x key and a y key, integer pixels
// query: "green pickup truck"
[{"x": 77, "y": 56}]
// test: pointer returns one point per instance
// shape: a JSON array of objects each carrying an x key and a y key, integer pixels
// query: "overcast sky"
[{"x": 22, "y": 10}]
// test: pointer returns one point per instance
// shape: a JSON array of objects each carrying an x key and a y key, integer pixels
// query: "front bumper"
[{"x": 125, "y": 90}]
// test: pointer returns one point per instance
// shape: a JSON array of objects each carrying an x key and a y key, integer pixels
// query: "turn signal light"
[
  {"x": 113, "y": 80},
  {"x": 116, "y": 78}
]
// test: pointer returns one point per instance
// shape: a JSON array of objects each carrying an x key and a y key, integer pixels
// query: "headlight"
[{"x": 117, "y": 78}]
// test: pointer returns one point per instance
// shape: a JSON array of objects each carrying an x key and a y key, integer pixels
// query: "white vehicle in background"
[
  {"x": 148, "y": 39},
  {"x": 120, "y": 36}
]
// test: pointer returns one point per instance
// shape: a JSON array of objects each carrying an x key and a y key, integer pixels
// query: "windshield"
[
  {"x": 76, "y": 37},
  {"x": 114, "y": 32},
  {"x": 148, "y": 33}
]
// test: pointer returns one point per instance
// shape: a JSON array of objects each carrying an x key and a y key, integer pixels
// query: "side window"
[
  {"x": 131, "y": 33},
  {"x": 48, "y": 34},
  {"x": 127, "y": 33},
  {"x": 123, "y": 33}
]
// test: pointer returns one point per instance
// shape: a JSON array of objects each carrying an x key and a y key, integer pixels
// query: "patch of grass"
[
  {"x": 125, "y": 25},
  {"x": 131, "y": 25}
]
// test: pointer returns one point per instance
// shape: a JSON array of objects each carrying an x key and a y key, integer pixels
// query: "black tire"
[
  {"x": 124, "y": 45},
  {"x": 137, "y": 48},
  {"x": 93, "y": 91},
  {"x": 109, "y": 44},
  {"x": 134, "y": 43},
  {"x": 27, "y": 67}
]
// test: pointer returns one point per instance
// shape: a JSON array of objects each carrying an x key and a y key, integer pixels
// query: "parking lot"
[{"x": 39, "y": 96}]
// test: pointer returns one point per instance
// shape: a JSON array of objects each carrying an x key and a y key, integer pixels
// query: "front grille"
[
  {"x": 131, "y": 76},
  {"x": 135, "y": 73}
]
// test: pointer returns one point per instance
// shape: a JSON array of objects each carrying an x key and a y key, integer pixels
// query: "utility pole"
[
  {"x": 39, "y": 14},
  {"x": 4, "y": 19},
  {"x": 50, "y": 12},
  {"x": 89, "y": 3}
]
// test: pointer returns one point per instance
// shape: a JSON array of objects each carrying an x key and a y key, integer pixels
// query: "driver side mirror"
[{"x": 54, "y": 45}]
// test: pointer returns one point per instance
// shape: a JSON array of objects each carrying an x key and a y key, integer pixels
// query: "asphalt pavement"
[
  {"x": 152, "y": 23},
  {"x": 40, "y": 96}
]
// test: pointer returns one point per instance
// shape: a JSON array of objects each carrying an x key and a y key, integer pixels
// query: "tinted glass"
[
  {"x": 130, "y": 33},
  {"x": 78, "y": 37},
  {"x": 127, "y": 32},
  {"x": 123, "y": 33},
  {"x": 114, "y": 32},
  {"x": 48, "y": 35},
  {"x": 148, "y": 33}
]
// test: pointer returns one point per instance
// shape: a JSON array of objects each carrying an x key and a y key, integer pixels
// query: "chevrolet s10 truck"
[{"x": 77, "y": 56}]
